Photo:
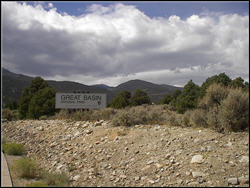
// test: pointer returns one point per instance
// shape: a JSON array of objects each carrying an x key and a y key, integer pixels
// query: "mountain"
[
  {"x": 104, "y": 86},
  {"x": 154, "y": 91},
  {"x": 13, "y": 85}
]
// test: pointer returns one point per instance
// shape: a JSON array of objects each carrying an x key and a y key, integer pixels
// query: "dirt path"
[{"x": 98, "y": 154}]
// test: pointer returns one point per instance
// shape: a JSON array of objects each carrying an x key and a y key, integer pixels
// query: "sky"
[{"x": 111, "y": 42}]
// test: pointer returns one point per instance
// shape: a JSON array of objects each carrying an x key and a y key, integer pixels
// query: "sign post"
[{"x": 81, "y": 100}]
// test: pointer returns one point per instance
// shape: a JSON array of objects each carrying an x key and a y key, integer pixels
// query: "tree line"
[{"x": 38, "y": 98}]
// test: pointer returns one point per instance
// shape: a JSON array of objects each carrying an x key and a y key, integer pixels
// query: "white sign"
[{"x": 81, "y": 100}]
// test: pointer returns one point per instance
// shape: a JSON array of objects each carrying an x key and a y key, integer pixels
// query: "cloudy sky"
[{"x": 113, "y": 42}]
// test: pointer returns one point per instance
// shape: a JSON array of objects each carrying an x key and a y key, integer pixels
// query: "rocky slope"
[{"x": 98, "y": 154}]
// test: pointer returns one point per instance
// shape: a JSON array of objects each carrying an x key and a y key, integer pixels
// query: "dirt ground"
[{"x": 99, "y": 154}]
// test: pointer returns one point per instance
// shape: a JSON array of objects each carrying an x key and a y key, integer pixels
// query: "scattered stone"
[
  {"x": 197, "y": 174},
  {"x": 89, "y": 131},
  {"x": 151, "y": 181},
  {"x": 229, "y": 144},
  {"x": 75, "y": 178},
  {"x": 137, "y": 178},
  {"x": 179, "y": 181},
  {"x": 233, "y": 181},
  {"x": 163, "y": 159},
  {"x": 196, "y": 140},
  {"x": 243, "y": 180},
  {"x": 203, "y": 149},
  {"x": 244, "y": 159},
  {"x": 197, "y": 159},
  {"x": 150, "y": 162},
  {"x": 209, "y": 148}
]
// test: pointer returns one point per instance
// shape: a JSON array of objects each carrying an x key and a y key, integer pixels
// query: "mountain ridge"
[{"x": 13, "y": 85}]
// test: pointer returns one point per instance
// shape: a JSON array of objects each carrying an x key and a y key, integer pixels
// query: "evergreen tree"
[
  {"x": 222, "y": 78},
  {"x": 176, "y": 94},
  {"x": 166, "y": 99},
  {"x": 37, "y": 99},
  {"x": 121, "y": 100},
  {"x": 139, "y": 97},
  {"x": 189, "y": 97},
  {"x": 237, "y": 83}
]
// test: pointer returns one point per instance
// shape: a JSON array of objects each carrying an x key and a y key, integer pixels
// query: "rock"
[
  {"x": 89, "y": 131},
  {"x": 243, "y": 180},
  {"x": 197, "y": 159},
  {"x": 40, "y": 128},
  {"x": 77, "y": 134},
  {"x": 150, "y": 162},
  {"x": 229, "y": 144},
  {"x": 209, "y": 148},
  {"x": 179, "y": 181},
  {"x": 151, "y": 181},
  {"x": 233, "y": 181},
  {"x": 137, "y": 178},
  {"x": 158, "y": 165},
  {"x": 197, "y": 174},
  {"x": 123, "y": 176},
  {"x": 196, "y": 140},
  {"x": 244, "y": 159},
  {"x": 203, "y": 149},
  {"x": 75, "y": 178}
]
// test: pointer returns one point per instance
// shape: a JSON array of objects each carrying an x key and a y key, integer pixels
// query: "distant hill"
[
  {"x": 13, "y": 85},
  {"x": 154, "y": 91},
  {"x": 104, "y": 86}
]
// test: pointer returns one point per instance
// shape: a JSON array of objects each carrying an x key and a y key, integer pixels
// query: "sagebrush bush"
[
  {"x": 234, "y": 111},
  {"x": 173, "y": 119},
  {"x": 10, "y": 115},
  {"x": 199, "y": 117},
  {"x": 107, "y": 113},
  {"x": 213, "y": 119},
  {"x": 213, "y": 97},
  {"x": 13, "y": 149},
  {"x": 26, "y": 168},
  {"x": 62, "y": 114},
  {"x": 56, "y": 179},
  {"x": 144, "y": 114},
  {"x": 36, "y": 184}
]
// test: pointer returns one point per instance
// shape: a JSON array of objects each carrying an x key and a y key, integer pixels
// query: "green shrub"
[
  {"x": 56, "y": 179},
  {"x": 26, "y": 168},
  {"x": 234, "y": 111},
  {"x": 10, "y": 114},
  {"x": 13, "y": 149},
  {"x": 44, "y": 117},
  {"x": 37, "y": 184},
  {"x": 3, "y": 140}
]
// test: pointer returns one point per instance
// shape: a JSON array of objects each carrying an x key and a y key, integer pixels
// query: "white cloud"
[{"x": 118, "y": 43}]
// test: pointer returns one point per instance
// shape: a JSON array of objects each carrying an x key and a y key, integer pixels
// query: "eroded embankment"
[{"x": 98, "y": 154}]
